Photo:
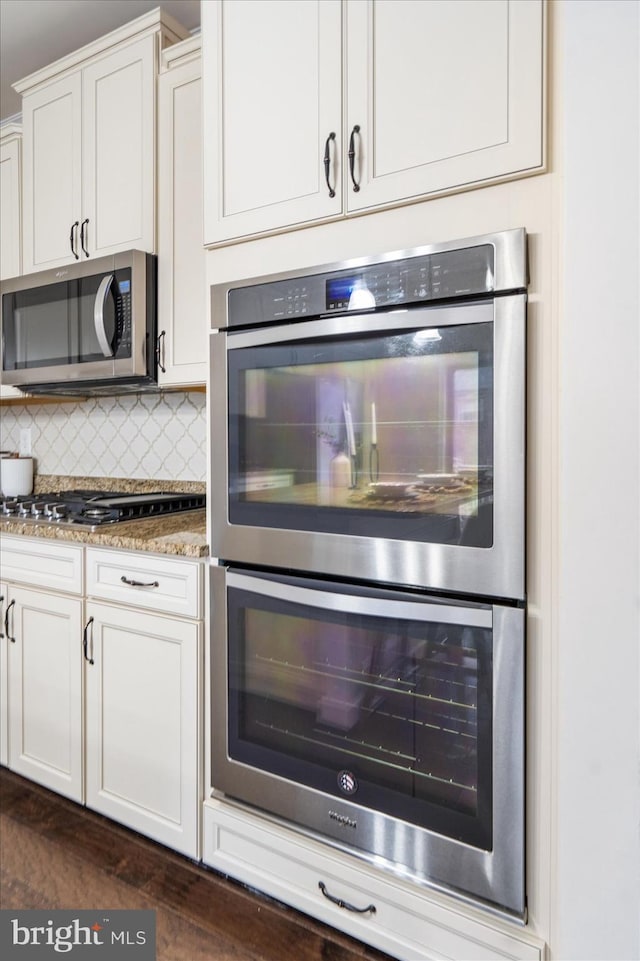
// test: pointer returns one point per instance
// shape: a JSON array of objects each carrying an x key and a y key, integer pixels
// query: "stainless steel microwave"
[{"x": 89, "y": 328}]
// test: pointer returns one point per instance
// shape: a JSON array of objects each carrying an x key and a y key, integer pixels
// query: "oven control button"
[{"x": 347, "y": 782}]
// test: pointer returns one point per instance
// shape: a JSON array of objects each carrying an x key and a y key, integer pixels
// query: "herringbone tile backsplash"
[{"x": 139, "y": 436}]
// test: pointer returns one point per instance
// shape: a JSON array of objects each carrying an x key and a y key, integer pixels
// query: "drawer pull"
[
  {"x": 370, "y": 909},
  {"x": 131, "y": 583}
]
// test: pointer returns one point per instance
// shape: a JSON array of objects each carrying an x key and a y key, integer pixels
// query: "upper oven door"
[{"x": 387, "y": 446}]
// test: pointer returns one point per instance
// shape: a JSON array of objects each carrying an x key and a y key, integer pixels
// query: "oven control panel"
[{"x": 394, "y": 283}]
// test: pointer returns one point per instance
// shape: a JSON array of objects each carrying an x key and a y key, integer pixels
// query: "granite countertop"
[{"x": 183, "y": 534}]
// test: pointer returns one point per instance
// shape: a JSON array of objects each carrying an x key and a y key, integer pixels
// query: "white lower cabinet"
[
  {"x": 143, "y": 694},
  {"x": 143, "y": 732},
  {"x": 44, "y": 681},
  {"x": 42, "y": 686},
  {"x": 402, "y": 919},
  {"x": 4, "y": 687},
  {"x": 101, "y": 697}
]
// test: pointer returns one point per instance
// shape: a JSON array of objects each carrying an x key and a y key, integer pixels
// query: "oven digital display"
[{"x": 340, "y": 289}]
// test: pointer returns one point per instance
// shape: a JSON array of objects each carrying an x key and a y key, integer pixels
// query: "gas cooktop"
[{"x": 93, "y": 509}]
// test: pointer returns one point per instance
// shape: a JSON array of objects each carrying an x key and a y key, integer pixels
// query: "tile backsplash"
[{"x": 138, "y": 436}]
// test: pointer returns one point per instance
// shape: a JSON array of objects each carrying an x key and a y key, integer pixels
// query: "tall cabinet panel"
[
  {"x": 182, "y": 308},
  {"x": 462, "y": 104},
  {"x": 272, "y": 87},
  {"x": 10, "y": 214},
  {"x": 10, "y": 200}
]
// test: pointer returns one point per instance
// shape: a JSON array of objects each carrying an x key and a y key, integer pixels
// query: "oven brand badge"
[{"x": 347, "y": 782}]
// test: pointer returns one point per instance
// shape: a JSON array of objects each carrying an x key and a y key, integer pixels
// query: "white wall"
[{"x": 597, "y": 901}]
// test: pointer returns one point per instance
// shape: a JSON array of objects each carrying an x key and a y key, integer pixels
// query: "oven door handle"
[
  {"x": 480, "y": 312},
  {"x": 481, "y": 616},
  {"x": 98, "y": 315}
]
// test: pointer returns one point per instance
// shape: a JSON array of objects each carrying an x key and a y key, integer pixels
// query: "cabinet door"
[
  {"x": 4, "y": 687},
  {"x": 45, "y": 685},
  {"x": 118, "y": 150},
  {"x": 10, "y": 217},
  {"x": 272, "y": 88},
  {"x": 52, "y": 193},
  {"x": 446, "y": 95},
  {"x": 182, "y": 310},
  {"x": 143, "y": 730},
  {"x": 10, "y": 207}
]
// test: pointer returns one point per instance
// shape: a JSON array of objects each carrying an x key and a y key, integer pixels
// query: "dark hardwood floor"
[{"x": 56, "y": 854}]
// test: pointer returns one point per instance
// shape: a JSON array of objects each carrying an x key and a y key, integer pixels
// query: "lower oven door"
[{"x": 390, "y": 723}]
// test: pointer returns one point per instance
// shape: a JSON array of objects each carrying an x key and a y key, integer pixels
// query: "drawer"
[
  {"x": 408, "y": 922},
  {"x": 149, "y": 581},
  {"x": 42, "y": 563}
]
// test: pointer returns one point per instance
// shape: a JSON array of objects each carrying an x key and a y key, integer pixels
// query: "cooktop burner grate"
[{"x": 92, "y": 509}]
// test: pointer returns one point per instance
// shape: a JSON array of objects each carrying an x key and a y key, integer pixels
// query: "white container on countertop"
[{"x": 16, "y": 476}]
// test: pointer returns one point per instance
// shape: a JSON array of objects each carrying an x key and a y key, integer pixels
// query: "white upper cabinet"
[
  {"x": 89, "y": 147},
  {"x": 272, "y": 76},
  {"x": 182, "y": 307},
  {"x": 118, "y": 150},
  {"x": 10, "y": 200},
  {"x": 417, "y": 98},
  {"x": 10, "y": 214},
  {"x": 441, "y": 95}
]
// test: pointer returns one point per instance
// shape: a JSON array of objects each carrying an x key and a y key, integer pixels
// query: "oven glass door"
[
  {"x": 57, "y": 325},
  {"x": 387, "y": 434},
  {"x": 386, "y": 446},
  {"x": 378, "y": 702}
]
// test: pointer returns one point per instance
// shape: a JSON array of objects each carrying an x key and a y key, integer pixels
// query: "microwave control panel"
[{"x": 123, "y": 313}]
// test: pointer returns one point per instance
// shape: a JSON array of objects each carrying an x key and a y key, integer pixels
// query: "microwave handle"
[{"x": 98, "y": 315}]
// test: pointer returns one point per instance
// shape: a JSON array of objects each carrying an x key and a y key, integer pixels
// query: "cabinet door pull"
[
  {"x": 84, "y": 249},
  {"x": 6, "y": 622},
  {"x": 126, "y": 580},
  {"x": 160, "y": 351},
  {"x": 1, "y": 603},
  {"x": 370, "y": 909},
  {"x": 352, "y": 157},
  {"x": 84, "y": 640},
  {"x": 327, "y": 163},
  {"x": 72, "y": 239}
]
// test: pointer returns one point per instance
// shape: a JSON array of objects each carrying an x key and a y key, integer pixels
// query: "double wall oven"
[{"x": 368, "y": 444}]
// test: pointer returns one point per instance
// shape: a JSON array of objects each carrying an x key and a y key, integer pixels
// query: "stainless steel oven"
[
  {"x": 368, "y": 648},
  {"x": 389, "y": 723},
  {"x": 368, "y": 418}
]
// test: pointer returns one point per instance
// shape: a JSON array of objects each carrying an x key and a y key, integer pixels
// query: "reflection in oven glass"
[
  {"x": 398, "y": 704},
  {"x": 390, "y": 429}
]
